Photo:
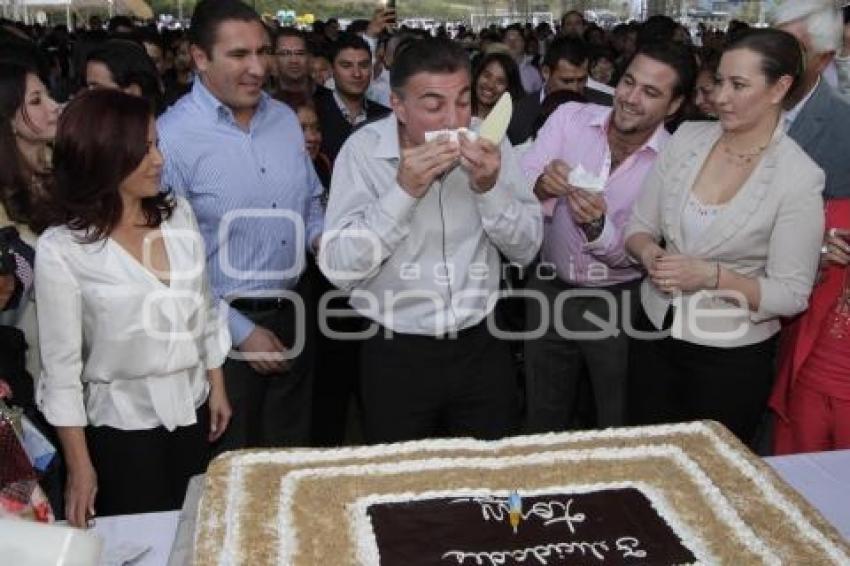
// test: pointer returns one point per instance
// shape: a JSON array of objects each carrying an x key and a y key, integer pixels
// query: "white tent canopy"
[{"x": 26, "y": 10}]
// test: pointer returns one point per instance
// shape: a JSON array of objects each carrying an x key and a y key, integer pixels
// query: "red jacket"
[{"x": 800, "y": 336}]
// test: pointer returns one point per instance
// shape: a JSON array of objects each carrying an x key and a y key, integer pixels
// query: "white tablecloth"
[
  {"x": 823, "y": 479},
  {"x": 154, "y": 530}
]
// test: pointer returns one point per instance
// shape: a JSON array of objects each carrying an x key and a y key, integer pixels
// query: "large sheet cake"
[{"x": 676, "y": 494}]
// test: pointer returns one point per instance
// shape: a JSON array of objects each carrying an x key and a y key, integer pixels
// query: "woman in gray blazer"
[{"x": 728, "y": 226}]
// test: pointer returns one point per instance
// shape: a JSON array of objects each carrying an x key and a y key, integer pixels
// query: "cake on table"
[{"x": 673, "y": 494}]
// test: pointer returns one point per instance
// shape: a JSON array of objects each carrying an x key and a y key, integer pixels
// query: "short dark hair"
[
  {"x": 150, "y": 35},
  {"x": 358, "y": 26},
  {"x": 116, "y": 22},
  {"x": 735, "y": 29},
  {"x": 569, "y": 13},
  {"x": 780, "y": 54},
  {"x": 676, "y": 56},
  {"x": 427, "y": 55},
  {"x": 511, "y": 70},
  {"x": 91, "y": 159},
  {"x": 291, "y": 32},
  {"x": 348, "y": 40},
  {"x": 129, "y": 64},
  {"x": 570, "y": 49},
  {"x": 209, "y": 14},
  {"x": 657, "y": 29},
  {"x": 517, "y": 28}
]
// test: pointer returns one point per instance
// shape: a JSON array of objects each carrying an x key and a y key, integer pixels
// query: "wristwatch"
[{"x": 593, "y": 229}]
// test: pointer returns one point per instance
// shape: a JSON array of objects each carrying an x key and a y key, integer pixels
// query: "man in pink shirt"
[{"x": 586, "y": 276}]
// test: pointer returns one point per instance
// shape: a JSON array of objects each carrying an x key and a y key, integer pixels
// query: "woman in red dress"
[{"x": 811, "y": 397}]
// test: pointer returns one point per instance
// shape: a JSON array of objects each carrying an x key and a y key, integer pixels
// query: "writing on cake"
[
  {"x": 607, "y": 526},
  {"x": 550, "y": 512}
]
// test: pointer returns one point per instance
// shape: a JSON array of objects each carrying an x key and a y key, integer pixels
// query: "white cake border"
[
  {"x": 288, "y": 539},
  {"x": 367, "y": 545},
  {"x": 235, "y": 492}
]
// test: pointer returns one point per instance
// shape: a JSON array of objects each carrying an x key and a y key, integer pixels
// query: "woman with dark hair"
[
  {"x": 131, "y": 343},
  {"x": 28, "y": 118},
  {"x": 305, "y": 109},
  {"x": 728, "y": 226},
  {"x": 496, "y": 73},
  {"x": 123, "y": 64},
  {"x": 309, "y": 120}
]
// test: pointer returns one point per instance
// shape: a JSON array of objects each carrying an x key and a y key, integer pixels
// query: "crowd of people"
[{"x": 231, "y": 237}]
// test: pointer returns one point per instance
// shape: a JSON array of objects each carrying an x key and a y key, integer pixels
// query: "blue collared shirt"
[{"x": 255, "y": 193}]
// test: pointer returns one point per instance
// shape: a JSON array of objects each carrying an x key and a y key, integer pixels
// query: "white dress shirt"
[
  {"x": 379, "y": 88},
  {"x": 422, "y": 266},
  {"x": 120, "y": 347},
  {"x": 791, "y": 115}
]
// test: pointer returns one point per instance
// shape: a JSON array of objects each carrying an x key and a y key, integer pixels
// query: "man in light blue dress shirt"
[{"x": 239, "y": 157}]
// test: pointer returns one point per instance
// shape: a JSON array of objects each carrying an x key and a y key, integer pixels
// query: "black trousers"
[
  {"x": 272, "y": 410},
  {"x": 143, "y": 471},
  {"x": 556, "y": 362},
  {"x": 336, "y": 377},
  {"x": 415, "y": 387},
  {"x": 672, "y": 381}
]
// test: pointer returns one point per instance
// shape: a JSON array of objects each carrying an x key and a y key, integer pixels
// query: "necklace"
[{"x": 745, "y": 157}]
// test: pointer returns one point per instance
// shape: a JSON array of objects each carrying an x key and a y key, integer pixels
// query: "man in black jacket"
[
  {"x": 565, "y": 67},
  {"x": 346, "y": 107}
]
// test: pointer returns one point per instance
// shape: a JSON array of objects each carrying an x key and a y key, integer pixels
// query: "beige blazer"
[{"x": 771, "y": 230}]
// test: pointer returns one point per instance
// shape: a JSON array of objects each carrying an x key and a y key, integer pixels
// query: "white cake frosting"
[
  {"x": 289, "y": 534},
  {"x": 305, "y": 465}
]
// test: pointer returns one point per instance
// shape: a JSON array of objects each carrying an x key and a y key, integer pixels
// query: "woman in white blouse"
[
  {"x": 131, "y": 345},
  {"x": 728, "y": 226}
]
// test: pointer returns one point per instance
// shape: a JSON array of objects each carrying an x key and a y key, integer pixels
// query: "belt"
[{"x": 260, "y": 304}]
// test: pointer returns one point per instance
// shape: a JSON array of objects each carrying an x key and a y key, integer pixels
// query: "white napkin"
[
  {"x": 452, "y": 134},
  {"x": 583, "y": 179}
]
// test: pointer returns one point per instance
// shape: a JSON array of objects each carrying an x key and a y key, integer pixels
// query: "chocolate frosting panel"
[{"x": 616, "y": 526}]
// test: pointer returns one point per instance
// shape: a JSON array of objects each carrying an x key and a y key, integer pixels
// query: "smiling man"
[
  {"x": 583, "y": 247},
  {"x": 239, "y": 158},
  {"x": 415, "y": 231},
  {"x": 342, "y": 109}
]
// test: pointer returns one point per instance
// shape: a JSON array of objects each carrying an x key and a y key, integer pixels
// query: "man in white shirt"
[{"x": 415, "y": 229}]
